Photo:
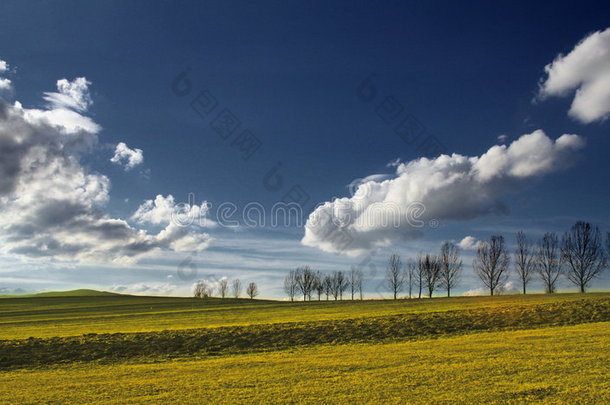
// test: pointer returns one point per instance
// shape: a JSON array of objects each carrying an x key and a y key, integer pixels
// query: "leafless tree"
[
  {"x": 223, "y": 287},
  {"x": 359, "y": 282},
  {"x": 352, "y": 280},
  {"x": 305, "y": 281},
  {"x": 420, "y": 272},
  {"x": 236, "y": 288},
  {"x": 548, "y": 261},
  {"x": 525, "y": 262},
  {"x": 411, "y": 276},
  {"x": 491, "y": 263},
  {"x": 328, "y": 286},
  {"x": 319, "y": 284},
  {"x": 451, "y": 266},
  {"x": 394, "y": 275},
  {"x": 290, "y": 285},
  {"x": 201, "y": 289},
  {"x": 339, "y": 283},
  {"x": 582, "y": 251},
  {"x": 252, "y": 290},
  {"x": 431, "y": 271}
]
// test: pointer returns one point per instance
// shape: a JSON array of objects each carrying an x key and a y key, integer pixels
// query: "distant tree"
[
  {"x": 352, "y": 280},
  {"x": 236, "y": 288},
  {"x": 419, "y": 275},
  {"x": 548, "y": 261},
  {"x": 339, "y": 283},
  {"x": 328, "y": 286},
  {"x": 450, "y": 266},
  {"x": 252, "y": 290},
  {"x": 290, "y": 285},
  {"x": 201, "y": 289},
  {"x": 411, "y": 276},
  {"x": 524, "y": 258},
  {"x": 359, "y": 282},
  {"x": 319, "y": 284},
  {"x": 582, "y": 251},
  {"x": 491, "y": 263},
  {"x": 394, "y": 276},
  {"x": 431, "y": 272},
  {"x": 223, "y": 287},
  {"x": 305, "y": 278}
]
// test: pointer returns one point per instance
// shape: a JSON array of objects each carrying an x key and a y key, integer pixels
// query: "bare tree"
[
  {"x": 419, "y": 275},
  {"x": 411, "y": 276},
  {"x": 359, "y": 281},
  {"x": 431, "y": 270},
  {"x": 582, "y": 251},
  {"x": 305, "y": 281},
  {"x": 236, "y": 288},
  {"x": 290, "y": 285},
  {"x": 328, "y": 286},
  {"x": 319, "y": 284},
  {"x": 252, "y": 290},
  {"x": 491, "y": 263},
  {"x": 352, "y": 280},
  {"x": 548, "y": 261},
  {"x": 394, "y": 275},
  {"x": 223, "y": 287},
  {"x": 339, "y": 283},
  {"x": 201, "y": 289},
  {"x": 451, "y": 266},
  {"x": 525, "y": 262}
]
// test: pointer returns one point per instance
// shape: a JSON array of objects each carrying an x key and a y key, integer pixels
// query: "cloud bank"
[
  {"x": 587, "y": 69},
  {"x": 50, "y": 205},
  {"x": 424, "y": 191}
]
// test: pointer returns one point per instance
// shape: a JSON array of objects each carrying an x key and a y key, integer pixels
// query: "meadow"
[{"x": 102, "y": 348}]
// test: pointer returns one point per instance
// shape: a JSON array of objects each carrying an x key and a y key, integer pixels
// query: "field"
[{"x": 111, "y": 348}]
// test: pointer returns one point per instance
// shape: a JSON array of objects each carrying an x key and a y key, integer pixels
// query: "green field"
[{"x": 85, "y": 347}]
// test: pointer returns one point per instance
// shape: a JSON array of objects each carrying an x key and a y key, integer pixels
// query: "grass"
[
  {"x": 568, "y": 364},
  {"x": 77, "y": 315},
  {"x": 89, "y": 348}
]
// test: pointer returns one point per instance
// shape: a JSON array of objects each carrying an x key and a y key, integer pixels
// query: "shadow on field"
[{"x": 240, "y": 339}]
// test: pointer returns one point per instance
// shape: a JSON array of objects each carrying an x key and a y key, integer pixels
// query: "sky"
[{"x": 148, "y": 145}]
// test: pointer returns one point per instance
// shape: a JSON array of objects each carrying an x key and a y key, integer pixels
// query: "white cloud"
[
  {"x": 64, "y": 109},
  {"x": 72, "y": 95},
  {"x": 163, "y": 210},
  {"x": 127, "y": 157},
  {"x": 468, "y": 243},
  {"x": 50, "y": 206},
  {"x": 474, "y": 292},
  {"x": 452, "y": 187},
  {"x": 154, "y": 288},
  {"x": 5, "y": 84},
  {"x": 587, "y": 69},
  {"x": 502, "y": 138}
]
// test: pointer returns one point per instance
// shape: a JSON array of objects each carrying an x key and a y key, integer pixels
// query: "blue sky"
[{"x": 292, "y": 73}]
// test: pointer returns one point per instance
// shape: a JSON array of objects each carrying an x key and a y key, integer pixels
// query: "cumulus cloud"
[
  {"x": 127, "y": 157},
  {"x": 585, "y": 69},
  {"x": 452, "y": 187},
  {"x": 5, "y": 84},
  {"x": 50, "y": 205},
  {"x": 164, "y": 210},
  {"x": 468, "y": 243}
]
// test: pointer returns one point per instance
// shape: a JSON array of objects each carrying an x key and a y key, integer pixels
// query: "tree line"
[
  {"x": 579, "y": 256},
  {"x": 203, "y": 289},
  {"x": 309, "y": 283}
]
